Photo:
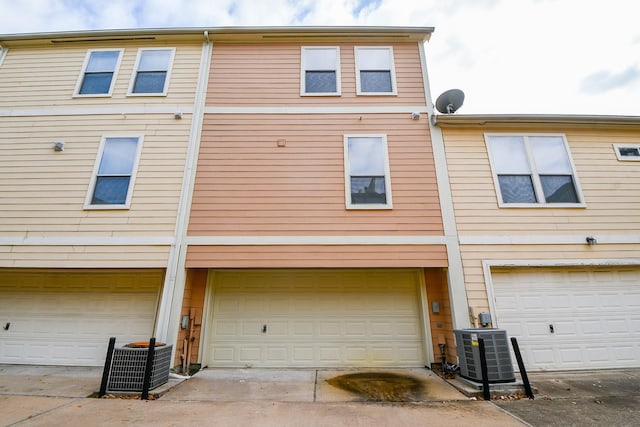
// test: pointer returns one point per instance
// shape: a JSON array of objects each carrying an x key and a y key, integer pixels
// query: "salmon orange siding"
[
  {"x": 269, "y": 75},
  {"x": 300, "y": 256},
  {"x": 247, "y": 185}
]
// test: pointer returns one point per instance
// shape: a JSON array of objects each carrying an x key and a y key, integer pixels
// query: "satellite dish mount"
[{"x": 450, "y": 101}]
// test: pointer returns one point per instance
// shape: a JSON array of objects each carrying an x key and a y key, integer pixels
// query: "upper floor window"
[
  {"x": 320, "y": 71},
  {"x": 3, "y": 53},
  {"x": 151, "y": 72},
  {"x": 627, "y": 152},
  {"x": 533, "y": 170},
  {"x": 114, "y": 173},
  {"x": 98, "y": 73},
  {"x": 375, "y": 71},
  {"x": 367, "y": 176}
]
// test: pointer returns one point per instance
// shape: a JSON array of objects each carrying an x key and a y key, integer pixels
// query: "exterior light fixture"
[
  {"x": 591, "y": 241},
  {"x": 58, "y": 146}
]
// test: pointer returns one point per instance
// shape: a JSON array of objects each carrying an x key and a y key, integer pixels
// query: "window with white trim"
[
  {"x": 3, "y": 53},
  {"x": 629, "y": 153},
  {"x": 375, "y": 71},
  {"x": 367, "y": 176},
  {"x": 151, "y": 72},
  {"x": 320, "y": 71},
  {"x": 98, "y": 73},
  {"x": 533, "y": 170},
  {"x": 114, "y": 172}
]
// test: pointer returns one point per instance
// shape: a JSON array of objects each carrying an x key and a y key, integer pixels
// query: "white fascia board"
[
  {"x": 313, "y": 240},
  {"x": 122, "y": 110}
]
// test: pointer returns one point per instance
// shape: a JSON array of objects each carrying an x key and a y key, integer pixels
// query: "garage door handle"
[{"x": 551, "y": 329}]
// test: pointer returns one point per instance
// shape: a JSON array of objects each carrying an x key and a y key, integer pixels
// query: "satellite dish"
[{"x": 450, "y": 101}]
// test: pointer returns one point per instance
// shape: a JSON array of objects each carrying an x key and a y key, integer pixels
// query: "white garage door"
[
  {"x": 574, "y": 318},
  {"x": 67, "y": 318},
  {"x": 305, "y": 318}
]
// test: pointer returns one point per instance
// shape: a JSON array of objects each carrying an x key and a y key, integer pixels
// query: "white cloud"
[{"x": 526, "y": 56}]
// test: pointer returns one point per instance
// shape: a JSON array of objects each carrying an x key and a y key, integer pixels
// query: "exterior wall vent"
[{"x": 499, "y": 365}]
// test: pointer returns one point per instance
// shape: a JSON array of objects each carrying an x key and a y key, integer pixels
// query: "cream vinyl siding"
[
  {"x": 53, "y": 72},
  {"x": 247, "y": 185},
  {"x": 65, "y": 317},
  {"x": 269, "y": 74},
  {"x": 473, "y": 256},
  {"x": 42, "y": 192},
  {"x": 609, "y": 187},
  {"x": 312, "y": 318}
]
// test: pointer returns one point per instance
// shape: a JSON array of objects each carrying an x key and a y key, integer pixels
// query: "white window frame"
[
  {"x": 535, "y": 176},
  {"x": 622, "y": 158},
  {"x": 347, "y": 174},
  {"x": 3, "y": 53},
  {"x": 394, "y": 86},
  {"x": 303, "y": 74},
  {"x": 76, "y": 92},
  {"x": 96, "y": 168},
  {"x": 134, "y": 74}
]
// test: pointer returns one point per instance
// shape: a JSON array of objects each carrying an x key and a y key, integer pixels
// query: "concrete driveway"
[
  {"x": 44, "y": 396},
  {"x": 581, "y": 398}
]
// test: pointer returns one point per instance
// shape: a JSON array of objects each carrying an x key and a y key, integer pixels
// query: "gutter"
[{"x": 451, "y": 120}]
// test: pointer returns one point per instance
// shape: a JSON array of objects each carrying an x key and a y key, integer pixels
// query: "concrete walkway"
[{"x": 41, "y": 396}]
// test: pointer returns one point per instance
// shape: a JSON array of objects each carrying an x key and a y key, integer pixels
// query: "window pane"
[
  {"x": 374, "y": 59},
  {"x": 629, "y": 151},
  {"x": 154, "y": 60},
  {"x": 150, "y": 82},
  {"x": 375, "y": 81},
  {"x": 366, "y": 156},
  {"x": 509, "y": 155},
  {"x": 110, "y": 190},
  {"x": 550, "y": 155},
  {"x": 102, "y": 61},
  {"x": 96, "y": 83},
  {"x": 118, "y": 156},
  {"x": 320, "y": 82},
  {"x": 517, "y": 189},
  {"x": 559, "y": 189},
  {"x": 368, "y": 190},
  {"x": 320, "y": 59}
]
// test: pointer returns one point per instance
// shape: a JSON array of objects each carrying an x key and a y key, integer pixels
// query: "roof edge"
[
  {"x": 421, "y": 32},
  {"x": 450, "y": 120}
]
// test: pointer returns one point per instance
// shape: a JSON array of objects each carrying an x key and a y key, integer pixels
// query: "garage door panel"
[
  {"x": 318, "y": 318},
  {"x": 593, "y": 312},
  {"x": 66, "y": 317}
]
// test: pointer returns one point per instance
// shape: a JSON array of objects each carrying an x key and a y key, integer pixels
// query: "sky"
[{"x": 508, "y": 56}]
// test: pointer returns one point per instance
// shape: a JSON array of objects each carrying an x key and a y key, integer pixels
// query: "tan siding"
[
  {"x": 269, "y": 75},
  {"x": 43, "y": 192},
  {"x": 297, "y": 256},
  {"x": 473, "y": 255},
  {"x": 53, "y": 72},
  {"x": 609, "y": 186},
  {"x": 79, "y": 256},
  {"x": 246, "y": 185}
]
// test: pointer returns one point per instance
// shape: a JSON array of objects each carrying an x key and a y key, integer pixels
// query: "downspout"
[
  {"x": 173, "y": 289},
  {"x": 457, "y": 289}
]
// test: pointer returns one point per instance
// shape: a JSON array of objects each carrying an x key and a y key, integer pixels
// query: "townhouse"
[
  {"x": 315, "y": 232},
  {"x": 547, "y": 217},
  {"x": 94, "y": 134}
]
